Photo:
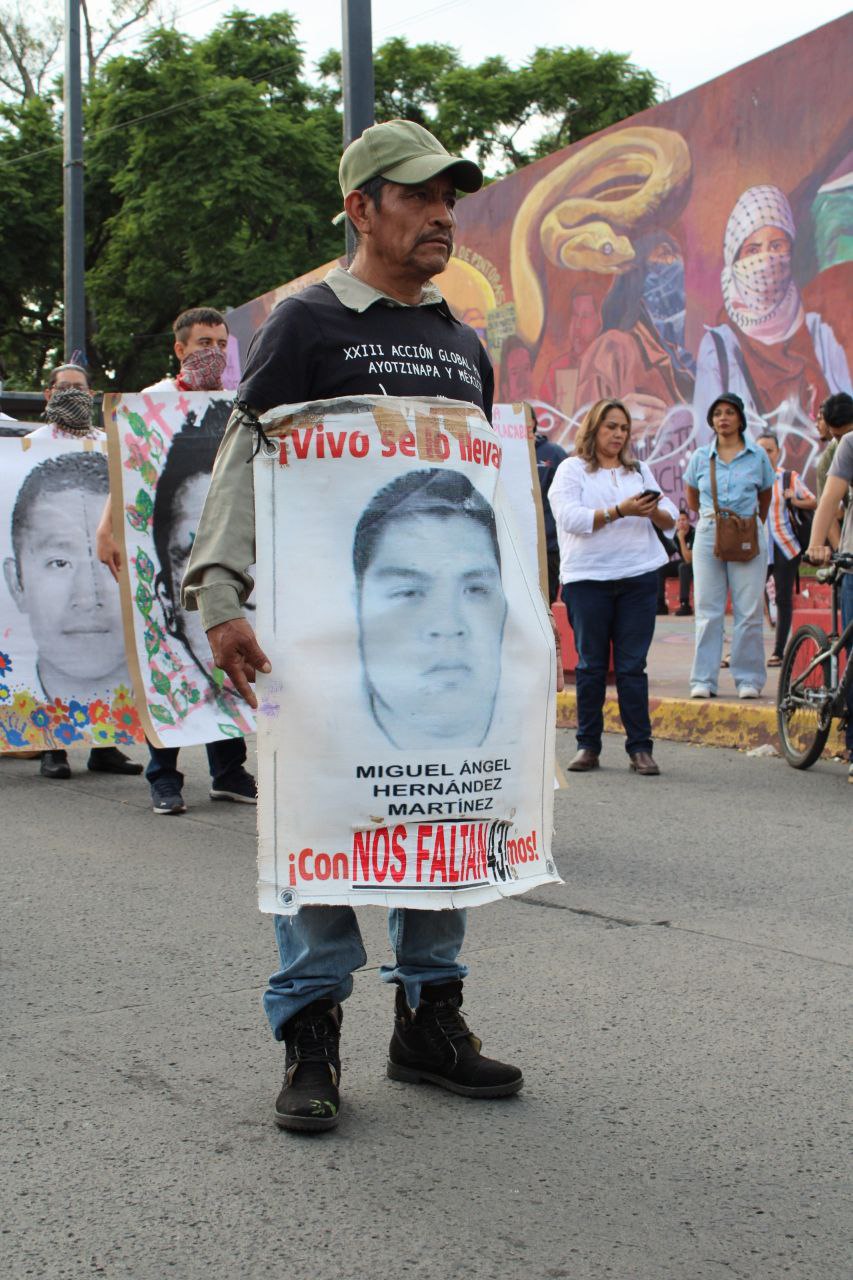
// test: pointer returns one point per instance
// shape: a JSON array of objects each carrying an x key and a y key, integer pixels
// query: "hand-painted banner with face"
[
  {"x": 406, "y": 731},
  {"x": 162, "y": 447},
  {"x": 63, "y": 672}
]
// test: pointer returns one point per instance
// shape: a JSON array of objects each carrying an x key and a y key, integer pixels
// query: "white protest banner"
[
  {"x": 520, "y": 481},
  {"x": 63, "y": 672},
  {"x": 406, "y": 731},
  {"x": 162, "y": 447}
]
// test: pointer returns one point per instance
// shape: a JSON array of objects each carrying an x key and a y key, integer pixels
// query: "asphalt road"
[{"x": 680, "y": 1007}]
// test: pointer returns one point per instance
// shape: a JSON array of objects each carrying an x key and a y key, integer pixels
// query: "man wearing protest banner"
[
  {"x": 201, "y": 345},
  {"x": 380, "y": 327}
]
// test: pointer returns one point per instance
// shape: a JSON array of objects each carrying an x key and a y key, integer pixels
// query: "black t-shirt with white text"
[{"x": 313, "y": 347}]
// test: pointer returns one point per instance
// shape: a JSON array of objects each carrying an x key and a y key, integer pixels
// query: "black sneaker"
[
  {"x": 167, "y": 799},
  {"x": 309, "y": 1098},
  {"x": 239, "y": 787},
  {"x": 433, "y": 1044},
  {"x": 111, "y": 760},
  {"x": 54, "y": 764},
  {"x": 662, "y": 611},
  {"x": 684, "y": 611}
]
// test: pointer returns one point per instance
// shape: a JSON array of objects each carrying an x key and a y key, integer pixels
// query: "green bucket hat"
[{"x": 403, "y": 152}]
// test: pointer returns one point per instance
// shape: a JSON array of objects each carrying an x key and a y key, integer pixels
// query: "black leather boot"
[
  {"x": 54, "y": 764},
  {"x": 432, "y": 1043},
  {"x": 111, "y": 760},
  {"x": 309, "y": 1098}
]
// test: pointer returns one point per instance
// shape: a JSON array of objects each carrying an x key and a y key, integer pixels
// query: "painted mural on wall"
[{"x": 705, "y": 244}]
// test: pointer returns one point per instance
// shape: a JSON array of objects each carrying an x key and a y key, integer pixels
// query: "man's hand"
[
  {"x": 106, "y": 547},
  {"x": 108, "y": 552},
  {"x": 817, "y": 555},
  {"x": 236, "y": 652}
]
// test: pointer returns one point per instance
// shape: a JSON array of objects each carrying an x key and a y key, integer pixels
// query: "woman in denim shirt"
[{"x": 744, "y": 485}]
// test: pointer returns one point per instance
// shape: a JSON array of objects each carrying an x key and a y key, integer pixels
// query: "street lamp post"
[
  {"x": 357, "y": 60},
  {"x": 72, "y": 170}
]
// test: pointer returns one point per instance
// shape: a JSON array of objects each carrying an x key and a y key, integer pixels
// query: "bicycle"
[{"x": 810, "y": 694}]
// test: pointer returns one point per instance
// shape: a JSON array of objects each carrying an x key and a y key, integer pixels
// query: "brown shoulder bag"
[{"x": 736, "y": 537}]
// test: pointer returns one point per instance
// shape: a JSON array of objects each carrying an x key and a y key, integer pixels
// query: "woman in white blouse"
[{"x": 606, "y": 506}]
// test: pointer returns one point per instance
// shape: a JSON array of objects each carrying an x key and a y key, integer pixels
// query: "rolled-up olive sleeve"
[{"x": 217, "y": 581}]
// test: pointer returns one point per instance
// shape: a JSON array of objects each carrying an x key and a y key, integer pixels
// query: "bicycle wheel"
[{"x": 801, "y": 713}]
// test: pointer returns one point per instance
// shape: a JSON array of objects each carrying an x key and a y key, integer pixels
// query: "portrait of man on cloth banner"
[
  {"x": 163, "y": 446},
  {"x": 63, "y": 670},
  {"x": 406, "y": 730}
]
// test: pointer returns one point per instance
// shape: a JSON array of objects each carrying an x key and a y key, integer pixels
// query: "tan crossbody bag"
[{"x": 736, "y": 537}]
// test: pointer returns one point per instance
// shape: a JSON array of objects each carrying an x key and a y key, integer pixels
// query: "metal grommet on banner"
[
  {"x": 289, "y": 899},
  {"x": 550, "y": 868}
]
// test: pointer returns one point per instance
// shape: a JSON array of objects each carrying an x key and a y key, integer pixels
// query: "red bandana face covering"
[{"x": 202, "y": 370}]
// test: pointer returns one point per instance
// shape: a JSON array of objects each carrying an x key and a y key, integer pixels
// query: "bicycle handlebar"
[{"x": 841, "y": 559}]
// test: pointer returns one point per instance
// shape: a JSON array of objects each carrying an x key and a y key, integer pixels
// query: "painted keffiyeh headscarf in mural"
[{"x": 760, "y": 295}]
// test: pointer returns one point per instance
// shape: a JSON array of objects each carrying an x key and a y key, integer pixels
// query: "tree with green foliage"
[
  {"x": 214, "y": 177},
  {"x": 512, "y": 116},
  {"x": 30, "y": 238},
  {"x": 211, "y": 172}
]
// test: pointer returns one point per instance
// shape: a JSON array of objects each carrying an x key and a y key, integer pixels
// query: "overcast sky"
[{"x": 682, "y": 44}]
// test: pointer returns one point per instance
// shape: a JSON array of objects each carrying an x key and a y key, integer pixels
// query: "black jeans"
[
  {"x": 785, "y": 577},
  {"x": 553, "y": 558},
  {"x": 225, "y": 758},
  {"x": 675, "y": 569},
  {"x": 621, "y": 612}
]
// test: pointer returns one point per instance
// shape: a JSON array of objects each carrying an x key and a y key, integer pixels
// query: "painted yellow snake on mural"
[{"x": 582, "y": 214}]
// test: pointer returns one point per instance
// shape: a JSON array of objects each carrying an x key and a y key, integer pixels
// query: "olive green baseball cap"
[{"x": 403, "y": 152}]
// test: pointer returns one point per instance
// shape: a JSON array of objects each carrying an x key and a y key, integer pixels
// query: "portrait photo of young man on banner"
[
  {"x": 63, "y": 672},
  {"x": 162, "y": 448},
  {"x": 406, "y": 731}
]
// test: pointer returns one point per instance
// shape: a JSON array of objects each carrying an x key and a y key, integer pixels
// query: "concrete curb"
[{"x": 717, "y": 723}]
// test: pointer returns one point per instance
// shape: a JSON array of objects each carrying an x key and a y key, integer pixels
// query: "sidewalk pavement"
[{"x": 724, "y": 721}]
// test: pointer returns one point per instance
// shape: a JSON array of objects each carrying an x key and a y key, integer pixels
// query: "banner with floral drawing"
[
  {"x": 64, "y": 678},
  {"x": 162, "y": 447}
]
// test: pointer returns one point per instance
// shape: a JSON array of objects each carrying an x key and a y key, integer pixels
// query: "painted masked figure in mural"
[
  {"x": 559, "y": 386},
  {"x": 779, "y": 358},
  {"x": 640, "y": 357},
  {"x": 593, "y": 216},
  {"x": 516, "y": 374}
]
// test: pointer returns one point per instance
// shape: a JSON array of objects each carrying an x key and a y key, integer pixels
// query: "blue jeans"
[
  {"x": 846, "y": 615},
  {"x": 713, "y": 579},
  {"x": 225, "y": 758},
  {"x": 321, "y": 947},
  {"x": 620, "y": 612}
]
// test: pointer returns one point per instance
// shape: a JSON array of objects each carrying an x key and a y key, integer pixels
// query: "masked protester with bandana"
[
  {"x": 640, "y": 358},
  {"x": 68, "y": 416},
  {"x": 68, "y": 407},
  {"x": 766, "y": 348},
  {"x": 201, "y": 345}
]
